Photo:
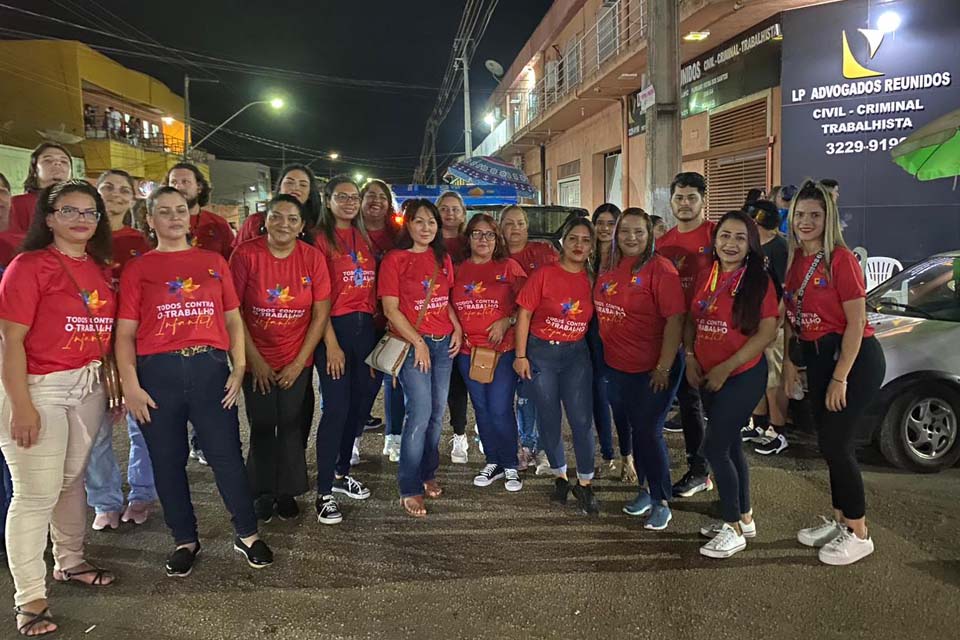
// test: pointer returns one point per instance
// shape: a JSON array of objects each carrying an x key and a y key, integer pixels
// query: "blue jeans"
[
  {"x": 727, "y": 411},
  {"x": 527, "y": 418},
  {"x": 103, "y": 480},
  {"x": 191, "y": 388},
  {"x": 393, "y": 408},
  {"x": 647, "y": 411},
  {"x": 6, "y": 494},
  {"x": 347, "y": 401},
  {"x": 562, "y": 373},
  {"x": 603, "y": 404},
  {"x": 493, "y": 406},
  {"x": 425, "y": 397}
]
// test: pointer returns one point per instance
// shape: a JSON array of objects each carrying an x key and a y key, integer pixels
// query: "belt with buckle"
[
  {"x": 189, "y": 352},
  {"x": 435, "y": 338}
]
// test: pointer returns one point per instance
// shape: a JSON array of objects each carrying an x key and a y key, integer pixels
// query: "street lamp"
[
  {"x": 334, "y": 155},
  {"x": 358, "y": 177},
  {"x": 276, "y": 103},
  {"x": 490, "y": 119}
]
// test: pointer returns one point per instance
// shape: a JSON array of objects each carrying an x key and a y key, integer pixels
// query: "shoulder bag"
[{"x": 795, "y": 351}]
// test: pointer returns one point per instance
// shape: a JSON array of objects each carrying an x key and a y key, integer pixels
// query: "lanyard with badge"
[
  {"x": 796, "y": 350},
  {"x": 358, "y": 270}
]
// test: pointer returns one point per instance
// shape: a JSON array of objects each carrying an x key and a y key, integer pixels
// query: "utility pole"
[
  {"x": 187, "y": 127},
  {"x": 433, "y": 154},
  {"x": 663, "y": 117},
  {"x": 467, "y": 122}
]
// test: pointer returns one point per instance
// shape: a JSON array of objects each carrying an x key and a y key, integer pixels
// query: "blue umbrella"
[{"x": 490, "y": 170}]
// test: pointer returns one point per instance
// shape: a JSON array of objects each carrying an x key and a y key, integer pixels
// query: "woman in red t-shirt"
[
  {"x": 733, "y": 317},
  {"x": 414, "y": 283},
  {"x": 484, "y": 297},
  {"x": 833, "y": 345},
  {"x": 347, "y": 387},
  {"x": 641, "y": 309},
  {"x": 50, "y": 164},
  {"x": 56, "y": 315},
  {"x": 179, "y": 316},
  {"x": 103, "y": 481},
  {"x": 284, "y": 289},
  {"x": 556, "y": 305},
  {"x": 296, "y": 180}
]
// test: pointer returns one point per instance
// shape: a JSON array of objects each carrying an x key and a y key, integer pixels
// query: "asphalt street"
[{"x": 488, "y": 564}]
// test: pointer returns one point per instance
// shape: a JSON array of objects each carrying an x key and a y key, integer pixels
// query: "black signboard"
[{"x": 851, "y": 93}]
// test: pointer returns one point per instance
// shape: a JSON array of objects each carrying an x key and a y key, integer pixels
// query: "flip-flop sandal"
[
  {"x": 412, "y": 512},
  {"x": 33, "y": 619},
  {"x": 432, "y": 489},
  {"x": 99, "y": 575}
]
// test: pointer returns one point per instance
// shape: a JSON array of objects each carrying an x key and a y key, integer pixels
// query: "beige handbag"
[{"x": 391, "y": 350}]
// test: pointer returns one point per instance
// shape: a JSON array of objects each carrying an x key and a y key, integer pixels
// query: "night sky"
[{"x": 401, "y": 41}]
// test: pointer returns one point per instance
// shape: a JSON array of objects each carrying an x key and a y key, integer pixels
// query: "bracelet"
[
  {"x": 843, "y": 382},
  {"x": 520, "y": 357},
  {"x": 662, "y": 369},
  {"x": 690, "y": 354}
]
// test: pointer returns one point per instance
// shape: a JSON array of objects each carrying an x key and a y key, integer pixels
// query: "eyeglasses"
[
  {"x": 344, "y": 198},
  {"x": 69, "y": 214},
  {"x": 477, "y": 234}
]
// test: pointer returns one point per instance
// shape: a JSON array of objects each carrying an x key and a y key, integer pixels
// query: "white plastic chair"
[{"x": 880, "y": 269}]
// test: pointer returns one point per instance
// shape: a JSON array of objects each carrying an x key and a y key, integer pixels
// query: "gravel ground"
[{"x": 488, "y": 564}]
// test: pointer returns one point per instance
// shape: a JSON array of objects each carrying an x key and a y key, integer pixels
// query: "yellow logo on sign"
[{"x": 852, "y": 69}]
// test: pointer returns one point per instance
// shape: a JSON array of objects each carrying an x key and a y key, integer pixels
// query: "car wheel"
[{"x": 920, "y": 429}]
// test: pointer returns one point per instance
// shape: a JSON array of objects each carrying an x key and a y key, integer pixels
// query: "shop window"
[
  {"x": 568, "y": 192},
  {"x": 730, "y": 177}
]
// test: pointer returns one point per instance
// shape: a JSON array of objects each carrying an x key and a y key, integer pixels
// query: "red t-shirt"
[
  {"x": 21, "y": 211},
  {"x": 179, "y": 298},
  {"x": 35, "y": 291},
  {"x": 691, "y": 253},
  {"x": 277, "y": 296},
  {"x": 483, "y": 294},
  {"x": 561, "y": 303},
  {"x": 535, "y": 255},
  {"x": 9, "y": 243},
  {"x": 249, "y": 230},
  {"x": 382, "y": 241},
  {"x": 211, "y": 232},
  {"x": 717, "y": 339},
  {"x": 456, "y": 247},
  {"x": 353, "y": 273},
  {"x": 633, "y": 309},
  {"x": 127, "y": 244},
  {"x": 823, "y": 298},
  {"x": 406, "y": 275}
]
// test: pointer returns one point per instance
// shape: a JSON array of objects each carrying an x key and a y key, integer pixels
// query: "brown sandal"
[
  {"x": 414, "y": 506},
  {"x": 33, "y": 619},
  {"x": 431, "y": 488},
  {"x": 99, "y": 576}
]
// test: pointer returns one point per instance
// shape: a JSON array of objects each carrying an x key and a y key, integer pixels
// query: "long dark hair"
[
  {"x": 204, "y": 188},
  {"x": 748, "y": 300},
  {"x": 500, "y": 246},
  {"x": 647, "y": 253},
  {"x": 307, "y": 234},
  {"x": 405, "y": 241},
  {"x": 613, "y": 210},
  {"x": 32, "y": 183},
  {"x": 388, "y": 217},
  {"x": 310, "y": 209},
  {"x": 40, "y": 236},
  {"x": 128, "y": 216},
  {"x": 327, "y": 223},
  {"x": 572, "y": 224}
]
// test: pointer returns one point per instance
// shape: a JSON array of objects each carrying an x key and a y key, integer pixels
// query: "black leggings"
[
  {"x": 836, "y": 431},
  {"x": 457, "y": 402}
]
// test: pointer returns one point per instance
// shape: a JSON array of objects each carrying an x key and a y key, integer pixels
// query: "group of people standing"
[{"x": 623, "y": 320}]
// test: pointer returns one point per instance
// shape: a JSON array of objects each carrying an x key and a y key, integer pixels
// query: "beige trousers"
[{"x": 47, "y": 478}]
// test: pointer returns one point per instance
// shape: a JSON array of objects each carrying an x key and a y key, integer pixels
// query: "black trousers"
[
  {"x": 836, "y": 431},
  {"x": 457, "y": 402},
  {"x": 692, "y": 421},
  {"x": 276, "y": 462}
]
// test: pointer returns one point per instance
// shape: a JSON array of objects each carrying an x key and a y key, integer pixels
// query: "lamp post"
[{"x": 276, "y": 103}]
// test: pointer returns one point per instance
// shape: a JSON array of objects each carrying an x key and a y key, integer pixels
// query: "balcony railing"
[{"x": 159, "y": 142}]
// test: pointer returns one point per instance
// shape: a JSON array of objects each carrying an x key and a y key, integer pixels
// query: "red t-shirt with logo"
[
  {"x": 535, "y": 255},
  {"x": 633, "y": 308},
  {"x": 21, "y": 211},
  {"x": 277, "y": 296},
  {"x": 406, "y": 275},
  {"x": 127, "y": 244},
  {"x": 353, "y": 273},
  {"x": 211, "y": 232},
  {"x": 9, "y": 243},
  {"x": 456, "y": 247},
  {"x": 250, "y": 229},
  {"x": 382, "y": 241},
  {"x": 483, "y": 294},
  {"x": 180, "y": 299},
  {"x": 37, "y": 292},
  {"x": 561, "y": 303},
  {"x": 717, "y": 339},
  {"x": 824, "y": 297},
  {"x": 691, "y": 253}
]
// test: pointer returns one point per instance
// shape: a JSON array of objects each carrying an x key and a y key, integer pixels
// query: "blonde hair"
[{"x": 832, "y": 234}]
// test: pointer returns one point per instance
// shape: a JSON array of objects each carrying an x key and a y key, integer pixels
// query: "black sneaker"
[
  {"x": 487, "y": 475},
  {"x": 772, "y": 446},
  {"x": 350, "y": 487},
  {"x": 560, "y": 490},
  {"x": 673, "y": 426},
  {"x": 287, "y": 508},
  {"x": 691, "y": 484},
  {"x": 258, "y": 554},
  {"x": 372, "y": 424},
  {"x": 263, "y": 507},
  {"x": 586, "y": 499},
  {"x": 328, "y": 511},
  {"x": 752, "y": 434},
  {"x": 180, "y": 563}
]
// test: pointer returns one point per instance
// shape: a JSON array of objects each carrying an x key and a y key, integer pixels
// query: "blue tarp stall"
[
  {"x": 489, "y": 170},
  {"x": 473, "y": 195}
]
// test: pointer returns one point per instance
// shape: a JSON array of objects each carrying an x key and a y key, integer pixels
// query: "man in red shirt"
[
  {"x": 690, "y": 246},
  {"x": 207, "y": 230}
]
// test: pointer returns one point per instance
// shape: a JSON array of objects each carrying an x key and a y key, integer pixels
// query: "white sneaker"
[
  {"x": 512, "y": 481},
  {"x": 543, "y": 464},
  {"x": 713, "y": 529},
  {"x": 387, "y": 444},
  {"x": 458, "y": 452},
  {"x": 819, "y": 535},
  {"x": 726, "y": 543},
  {"x": 395, "y": 449},
  {"x": 845, "y": 549},
  {"x": 355, "y": 456}
]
